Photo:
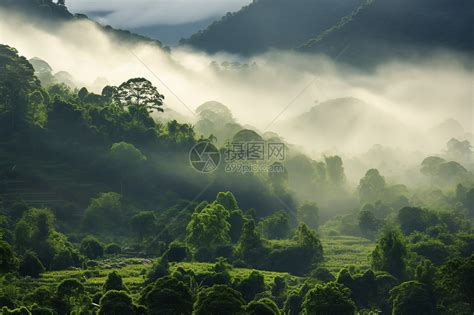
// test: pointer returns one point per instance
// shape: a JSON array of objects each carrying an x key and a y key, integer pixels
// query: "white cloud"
[{"x": 138, "y": 13}]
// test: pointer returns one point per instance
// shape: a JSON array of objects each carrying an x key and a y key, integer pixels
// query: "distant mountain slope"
[
  {"x": 346, "y": 123},
  {"x": 386, "y": 28},
  {"x": 47, "y": 12},
  {"x": 265, "y": 24},
  {"x": 360, "y": 32}
]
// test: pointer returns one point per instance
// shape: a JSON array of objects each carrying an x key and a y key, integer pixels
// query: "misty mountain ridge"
[
  {"x": 357, "y": 32},
  {"x": 265, "y": 24},
  {"x": 385, "y": 29},
  {"x": 353, "y": 124},
  {"x": 46, "y": 13}
]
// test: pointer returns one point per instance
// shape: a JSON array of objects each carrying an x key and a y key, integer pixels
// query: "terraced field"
[
  {"x": 344, "y": 251},
  {"x": 339, "y": 251}
]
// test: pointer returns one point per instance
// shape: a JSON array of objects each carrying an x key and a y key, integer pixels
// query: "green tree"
[
  {"x": 114, "y": 282},
  {"x": 308, "y": 214},
  {"x": 264, "y": 306},
  {"x": 143, "y": 224},
  {"x": 140, "y": 93},
  {"x": 177, "y": 251},
  {"x": 411, "y": 297},
  {"x": 236, "y": 221},
  {"x": 430, "y": 166},
  {"x": 17, "y": 85},
  {"x": 31, "y": 266},
  {"x": 335, "y": 170},
  {"x": 91, "y": 248},
  {"x": 390, "y": 254},
  {"x": 308, "y": 240},
  {"x": 209, "y": 227},
  {"x": 169, "y": 296},
  {"x": 116, "y": 302},
  {"x": 104, "y": 213},
  {"x": 126, "y": 154},
  {"x": 328, "y": 299},
  {"x": 112, "y": 249},
  {"x": 454, "y": 283},
  {"x": 126, "y": 158},
  {"x": 159, "y": 270},
  {"x": 459, "y": 150},
  {"x": 8, "y": 260},
  {"x": 469, "y": 202},
  {"x": 64, "y": 259},
  {"x": 368, "y": 223},
  {"x": 72, "y": 297},
  {"x": 252, "y": 285},
  {"x": 279, "y": 289},
  {"x": 451, "y": 173},
  {"x": 36, "y": 232},
  {"x": 415, "y": 219},
  {"x": 276, "y": 226},
  {"x": 227, "y": 200},
  {"x": 250, "y": 247},
  {"x": 218, "y": 300},
  {"x": 371, "y": 187}
]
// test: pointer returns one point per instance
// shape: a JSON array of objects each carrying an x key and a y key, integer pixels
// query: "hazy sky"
[{"x": 141, "y": 13}]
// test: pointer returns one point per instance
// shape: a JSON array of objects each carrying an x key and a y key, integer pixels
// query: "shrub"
[
  {"x": 113, "y": 249},
  {"x": 31, "y": 265},
  {"x": 177, "y": 252},
  {"x": 91, "y": 248}
]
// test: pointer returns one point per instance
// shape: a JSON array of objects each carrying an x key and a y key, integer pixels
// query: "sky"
[
  {"x": 165, "y": 20},
  {"x": 139, "y": 13}
]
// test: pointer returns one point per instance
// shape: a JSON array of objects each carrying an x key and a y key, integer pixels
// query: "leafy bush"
[{"x": 91, "y": 248}]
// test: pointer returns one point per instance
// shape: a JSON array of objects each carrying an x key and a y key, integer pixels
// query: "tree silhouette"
[{"x": 141, "y": 94}]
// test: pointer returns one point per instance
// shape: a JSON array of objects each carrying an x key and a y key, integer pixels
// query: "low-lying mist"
[{"x": 310, "y": 100}]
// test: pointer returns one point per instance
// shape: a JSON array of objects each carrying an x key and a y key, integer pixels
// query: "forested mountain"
[
  {"x": 358, "y": 32},
  {"x": 110, "y": 206},
  {"x": 47, "y": 13},
  {"x": 384, "y": 29},
  {"x": 268, "y": 24},
  {"x": 345, "y": 121}
]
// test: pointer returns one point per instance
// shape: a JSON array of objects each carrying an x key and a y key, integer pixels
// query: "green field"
[
  {"x": 343, "y": 251},
  {"x": 339, "y": 251}
]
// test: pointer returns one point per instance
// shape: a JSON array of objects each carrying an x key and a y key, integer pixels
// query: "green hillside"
[{"x": 267, "y": 24}]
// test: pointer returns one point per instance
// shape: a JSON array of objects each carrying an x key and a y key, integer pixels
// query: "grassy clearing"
[
  {"x": 345, "y": 251},
  {"x": 235, "y": 273},
  {"x": 133, "y": 273},
  {"x": 339, "y": 251}
]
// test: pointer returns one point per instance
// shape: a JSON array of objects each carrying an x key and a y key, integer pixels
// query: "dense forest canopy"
[{"x": 114, "y": 201}]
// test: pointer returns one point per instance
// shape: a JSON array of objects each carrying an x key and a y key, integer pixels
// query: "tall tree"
[
  {"x": 371, "y": 187},
  {"x": 116, "y": 302},
  {"x": 250, "y": 246},
  {"x": 17, "y": 86},
  {"x": 390, "y": 253},
  {"x": 169, "y": 296},
  {"x": 209, "y": 227},
  {"x": 8, "y": 260},
  {"x": 335, "y": 170},
  {"x": 411, "y": 297},
  {"x": 328, "y": 299},
  {"x": 141, "y": 94},
  {"x": 308, "y": 213},
  {"x": 219, "y": 299}
]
